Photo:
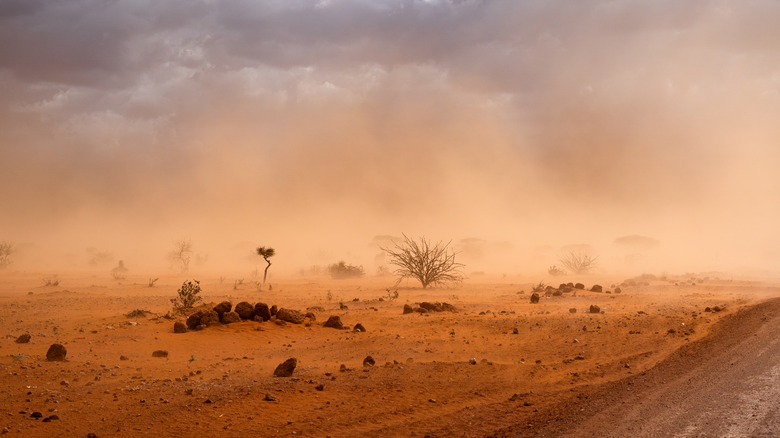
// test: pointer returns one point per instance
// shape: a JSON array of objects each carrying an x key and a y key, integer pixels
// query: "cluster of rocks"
[
  {"x": 225, "y": 313},
  {"x": 550, "y": 291},
  {"x": 426, "y": 307}
]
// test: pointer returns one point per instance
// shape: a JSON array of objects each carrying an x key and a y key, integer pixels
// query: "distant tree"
[
  {"x": 579, "y": 262},
  {"x": 120, "y": 271},
  {"x": 429, "y": 263},
  {"x": 6, "y": 250},
  {"x": 266, "y": 253},
  {"x": 342, "y": 270},
  {"x": 181, "y": 255}
]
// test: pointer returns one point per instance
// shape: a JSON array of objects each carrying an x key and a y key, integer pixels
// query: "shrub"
[
  {"x": 579, "y": 262},
  {"x": 187, "y": 295},
  {"x": 342, "y": 270},
  {"x": 430, "y": 263}
]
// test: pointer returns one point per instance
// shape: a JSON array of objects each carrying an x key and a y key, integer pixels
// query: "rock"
[
  {"x": 122, "y": 357},
  {"x": 359, "y": 328},
  {"x": 23, "y": 339},
  {"x": 431, "y": 307},
  {"x": 56, "y": 352},
  {"x": 194, "y": 320},
  {"x": 515, "y": 331},
  {"x": 618, "y": 290},
  {"x": 286, "y": 368},
  {"x": 594, "y": 309},
  {"x": 262, "y": 310},
  {"x": 92, "y": 435},
  {"x": 408, "y": 309},
  {"x": 245, "y": 310},
  {"x": 160, "y": 353},
  {"x": 420, "y": 310},
  {"x": 290, "y": 315},
  {"x": 269, "y": 397},
  {"x": 223, "y": 308},
  {"x": 573, "y": 310},
  {"x": 209, "y": 318},
  {"x": 579, "y": 286},
  {"x": 273, "y": 310},
  {"x": 320, "y": 387},
  {"x": 334, "y": 322},
  {"x": 707, "y": 309},
  {"x": 596, "y": 288},
  {"x": 36, "y": 415},
  {"x": 179, "y": 327},
  {"x": 230, "y": 317},
  {"x": 473, "y": 361},
  {"x": 447, "y": 307},
  {"x": 311, "y": 316},
  {"x": 369, "y": 361},
  {"x": 534, "y": 298}
]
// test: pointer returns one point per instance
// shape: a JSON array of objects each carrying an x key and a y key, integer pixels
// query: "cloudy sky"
[{"x": 313, "y": 126}]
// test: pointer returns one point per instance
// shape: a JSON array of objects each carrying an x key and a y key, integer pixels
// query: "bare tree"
[
  {"x": 579, "y": 262},
  {"x": 430, "y": 263},
  {"x": 266, "y": 253},
  {"x": 6, "y": 249},
  {"x": 181, "y": 254}
]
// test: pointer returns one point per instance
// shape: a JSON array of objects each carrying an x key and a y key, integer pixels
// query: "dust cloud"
[{"x": 512, "y": 129}]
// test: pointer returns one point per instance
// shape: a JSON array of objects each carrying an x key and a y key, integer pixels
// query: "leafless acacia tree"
[
  {"x": 579, "y": 262},
  {"x": 181, "y": 254},
  {"x": 6, "y": 249},
  {"x": 430, "y": 263}
]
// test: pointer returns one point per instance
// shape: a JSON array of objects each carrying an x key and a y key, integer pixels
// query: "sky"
[{"x": 516, "y": 127}]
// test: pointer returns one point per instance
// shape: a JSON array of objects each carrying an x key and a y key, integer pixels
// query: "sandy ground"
[{"x": 215, "y": 381}]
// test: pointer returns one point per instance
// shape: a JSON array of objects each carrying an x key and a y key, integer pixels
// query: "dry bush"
[
  {"x": 430, "y": 263},
  {"x": 181, "y": 255},
  {"x": 6, "y": 250},
  {"x": 342, "y": 270},
  {"x": 579, "y": 262},
  {"x": 187, "y": 296}
]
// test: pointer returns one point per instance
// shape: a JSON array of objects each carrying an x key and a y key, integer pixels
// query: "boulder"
[
  {"x": 56, "y": 352},
  {"x": 245, "y": 310},
  {"x": 194, "y": 320},
  {"x": 231, "y": 317},
  {"x": 408, "y": 309},
  {"x": 290, "y": 315},
  {"x": 431, "y": 307},
  {"x": 262, "y": 310},
  {"x": 596, "y": 288},
  {"x": 334, "y": 322},
  {"x": 223, "y": 308},
  {"x": 594, "y": 309},
  {"x": 179, "y": 327},
  {"x": 286, "y": 368},
  {"x": 534, "y": 298},
  {"x": 209, "y": 318},
  {"x": 359, "y": 328},
  {"x": 618, "y": 290},
  {"x": 23, "y": 339},
  {"x": 447, "y": 307},
  {"x": 579, "y": 286}
]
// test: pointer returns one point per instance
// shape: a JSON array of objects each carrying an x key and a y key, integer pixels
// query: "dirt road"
[{"x": 726, "y": 385}]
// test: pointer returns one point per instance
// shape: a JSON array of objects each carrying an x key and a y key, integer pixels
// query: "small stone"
[
  {"x": 160, "y": 353},
  {"x": 369, "y": 361},
  {"x": 334, "y": 322},
  {"x": 573, "y": 310},
  {"x": 594, "y": 309},
  {"x": 596, "y": 288},
  {"x": 359, "y": 328},
  {"x": 36, "y": 415},
  {"x": 179, "y": 327},
  {"x": 286, "y": 368},
  {"x": 269, "y": 397},
  {"x": 23, "y": 339},
  {"x": 320, "y": 387},
  {"x": 408, "y": 309},
  {"x": 122, "y": 357},
  {"x": 57, "y": 352},
  {"x": 473, "y": 361},
  {"x": 534, "y": 298}
]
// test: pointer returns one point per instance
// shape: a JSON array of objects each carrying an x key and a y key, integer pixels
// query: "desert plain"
[{"x": 497, "y": 365}]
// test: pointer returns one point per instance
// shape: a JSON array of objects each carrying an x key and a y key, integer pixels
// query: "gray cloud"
[{"x": 308, "y": 121}]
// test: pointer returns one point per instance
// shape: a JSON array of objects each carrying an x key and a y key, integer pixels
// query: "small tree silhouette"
[
  {"x": 579, "y": 262},
  {"x": 181, "y": 254},
  {"x": 6, "y": 250},
  {"x": 429, "y": 263},
  {"x": 266, "y": 253}
]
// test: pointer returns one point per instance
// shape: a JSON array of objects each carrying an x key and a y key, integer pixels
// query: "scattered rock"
[
  {"x": 596, "y": 288},
  {"x": 209, "y": 317},
  {"x": 319, "y": 387},
  {"x": 334, "y": 322},
  {"x": 160, "y": 353},
  {"x": 534, "y": 298},
  {"x": 447, "y": 307},
  {"x": 706, "y": 309},
  {"x": 36, "y": 415},
  {"x": 594, "y": 309},
  {"x": 194, "y": 320},
  {"x": 23, "y": 339},
  {"x": 515, "y": 331},
  {"x": 311, "y": 316},
  {"x": 359, "y": 328},
  {"x": 122, "y": 357},
  {"x": 262, "y": 310},
  {"x": 230, "y": 317},
  {"x": 431, "y": 307},
  {"x": 420, "y": 310},
  {"x": 369, "y": 361},
  {"x": 618, "y": 290},
  {"x": 269, "y": 397},
  {"x": 671, "y": 331},
  {"x": 222, "y": 308},
  {"x": 179, "y": 327},
  {"x": 717, "y": 309},
  {"x": 245, "y": 310},
  {"x": 56, "y": 352},
  {"x": 579, "y": 286},
  {"x": 286, "y": 368},
  {"x": 573, "y": 310},
  {"x": 137, "y": 313},
  {"x": 290, "y": 315},
  {"x": 473, "y": 361},
  {"x": 273, "y": 310}
]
